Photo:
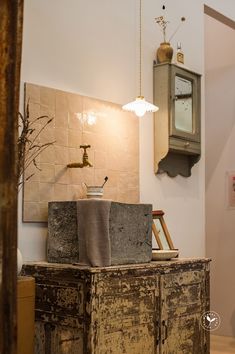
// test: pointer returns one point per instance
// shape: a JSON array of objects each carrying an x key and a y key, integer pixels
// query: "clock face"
[{"x": 210, "y": 320}]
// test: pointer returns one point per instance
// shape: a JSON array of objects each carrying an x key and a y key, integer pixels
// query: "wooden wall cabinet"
[
  {"x": 152, "y": 308},
  {"x": 177, "y": 124}
]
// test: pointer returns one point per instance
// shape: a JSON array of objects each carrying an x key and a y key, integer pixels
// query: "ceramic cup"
[{"x": 94, "y": 192}]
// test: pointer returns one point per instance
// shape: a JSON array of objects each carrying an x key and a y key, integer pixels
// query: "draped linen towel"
[{"x": 93, "y": 232}]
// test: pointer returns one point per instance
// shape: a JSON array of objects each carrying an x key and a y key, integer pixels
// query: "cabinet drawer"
[
  {"x": 184, "y": 146},
  {"x": 185, "y": 278},
  {"x": 62, "y": 300},
  {"x": 182, "y": 296},
  {"x": 124, "y": 284},
  {"x": 182, "y": 291},
  {"x": 122, "y": 305}
]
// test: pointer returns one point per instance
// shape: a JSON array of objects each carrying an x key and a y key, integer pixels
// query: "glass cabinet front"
[
  {"x": 185, "y": 120},
  {"x": 177, "y": 143}
]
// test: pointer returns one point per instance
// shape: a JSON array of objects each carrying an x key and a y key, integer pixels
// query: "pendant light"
[{"x": 140, "y": 106}]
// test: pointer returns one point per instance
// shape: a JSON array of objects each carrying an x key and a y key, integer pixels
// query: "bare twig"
[{"x": 28, "y": 149}]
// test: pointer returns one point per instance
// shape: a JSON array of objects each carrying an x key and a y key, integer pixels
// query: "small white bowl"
[{"x": 162, "y": 255}]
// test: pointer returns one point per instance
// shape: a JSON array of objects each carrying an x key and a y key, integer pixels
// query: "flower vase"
[{"x": 164, "y": 53}]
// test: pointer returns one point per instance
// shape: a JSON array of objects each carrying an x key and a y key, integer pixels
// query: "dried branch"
[
  {"x": 163, "y": 26},
  {"x": 28, "y": 147}
]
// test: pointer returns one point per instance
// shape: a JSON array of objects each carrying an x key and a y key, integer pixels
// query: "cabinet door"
[
  {"x": 185, "y": 104},
  {"x": 129, "y": 316},
  {"x": 59, "y": 317},
  {"x": 56, "y": 339},
  {"x": 183, "y": 303}
]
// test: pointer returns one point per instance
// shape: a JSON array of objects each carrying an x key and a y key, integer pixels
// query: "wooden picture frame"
[{"x": 161, "y": 232}]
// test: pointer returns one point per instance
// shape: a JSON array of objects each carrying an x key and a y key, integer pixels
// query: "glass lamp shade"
[{"x": 140, "y": 106}]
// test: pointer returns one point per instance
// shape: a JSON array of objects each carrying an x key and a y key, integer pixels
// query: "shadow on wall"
[{"x": 220, "y": 114}]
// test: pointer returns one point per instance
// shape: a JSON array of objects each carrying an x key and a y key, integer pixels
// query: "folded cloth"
[{"x": 93, "y": 232}]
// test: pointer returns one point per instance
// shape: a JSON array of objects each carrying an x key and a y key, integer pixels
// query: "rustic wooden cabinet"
[{"x": 153, "y": 308}]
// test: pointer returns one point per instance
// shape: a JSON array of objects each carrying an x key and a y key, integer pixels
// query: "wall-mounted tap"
[{"x": 85, "y": 162}]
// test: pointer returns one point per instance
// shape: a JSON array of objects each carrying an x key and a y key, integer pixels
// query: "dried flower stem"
[
  {"x": 182, "y": 20},
  {"x": 28, "y": 149},
  {"x": 163, "y": 25}
]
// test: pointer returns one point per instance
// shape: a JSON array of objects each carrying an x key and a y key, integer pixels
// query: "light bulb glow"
[
  {"x": 91, "y": 119},
  {"x": 140, "y": 106},
  {"x": 86, "y": 118}
]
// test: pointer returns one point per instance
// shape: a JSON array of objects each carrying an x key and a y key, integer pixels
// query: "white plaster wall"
[
  {"x": 91, "y": 47},
  {"x": 220, "y": 158}
]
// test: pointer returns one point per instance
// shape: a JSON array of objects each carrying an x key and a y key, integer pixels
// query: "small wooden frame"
[{"x": 161, "y": 232}]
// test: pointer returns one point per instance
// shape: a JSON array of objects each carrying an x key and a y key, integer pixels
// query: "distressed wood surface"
[
  {"x": 136, "y": 309},
  {"x": 11, "y": 14}
]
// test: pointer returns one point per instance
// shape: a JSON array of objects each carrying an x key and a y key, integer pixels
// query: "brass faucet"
[{"x": 85, "y": 162}]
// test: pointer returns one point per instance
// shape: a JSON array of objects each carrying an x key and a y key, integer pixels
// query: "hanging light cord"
[
  {"x": 140, "y": 44},
  {"x": 140, "y": 106}
]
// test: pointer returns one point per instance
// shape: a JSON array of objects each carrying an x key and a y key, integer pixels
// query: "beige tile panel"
[
  {"x": 32, "y": 173},
  {"x": 47, "y": 97},
  {"x": 32, "y": 92},
  {"x": 46, "y": 192},
  {"x": 47, "y": 134},
  {"x": 88, "y": 176},
  {"x": 61, "y": 155},
  {"x": 48, "y": 112},
  {"x": 75, "y": 102},
  {"x": 114, "y": 151},
  {"x": 98, "y": 142},
  {"x": 34, "y": 137},
  {"x": 48, "y": 155},
  {"x": 34, "y": 111},
  {"x": 100, "y": 160},
  {"x": 31, "y": 191},
  {"x": 62, "y": 119},
  {"x": 76, "y": 176},
  {"x": 32, "y": 211},
  {"x": 61, "y": 101},
  {"x": 112, "y": 178},
  {"x": 74, "y": 121},
  {"x": 117, "y": 143},
  {"x": 47, "y": 173},
  {"x": 76, "y": 192},
  {"x": 75, "y": 155},
  {"x": 60, "y": 192},
  {"x": 74, "y": 138},
  {"x": 110, "y": 193},
  {"x": 61, "y": 136},
  {"x": 62, "y": 174},
  {"x": 132, "y": 143},
  {"x": 127, "y": 180},
  {"x": 43, "y": 210},
  {"x": 116, "y": 161},
  {"x": 100, "y": 175},
  {"x": 129, "y": 196}
]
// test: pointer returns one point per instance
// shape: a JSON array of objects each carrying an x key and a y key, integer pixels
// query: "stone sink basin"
[{"x": 130, "y": 232}]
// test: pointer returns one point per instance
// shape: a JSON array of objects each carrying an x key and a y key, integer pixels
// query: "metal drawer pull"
[
  {"x": 186, "y": 145},
  {"x": 164, "y": 331}
]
